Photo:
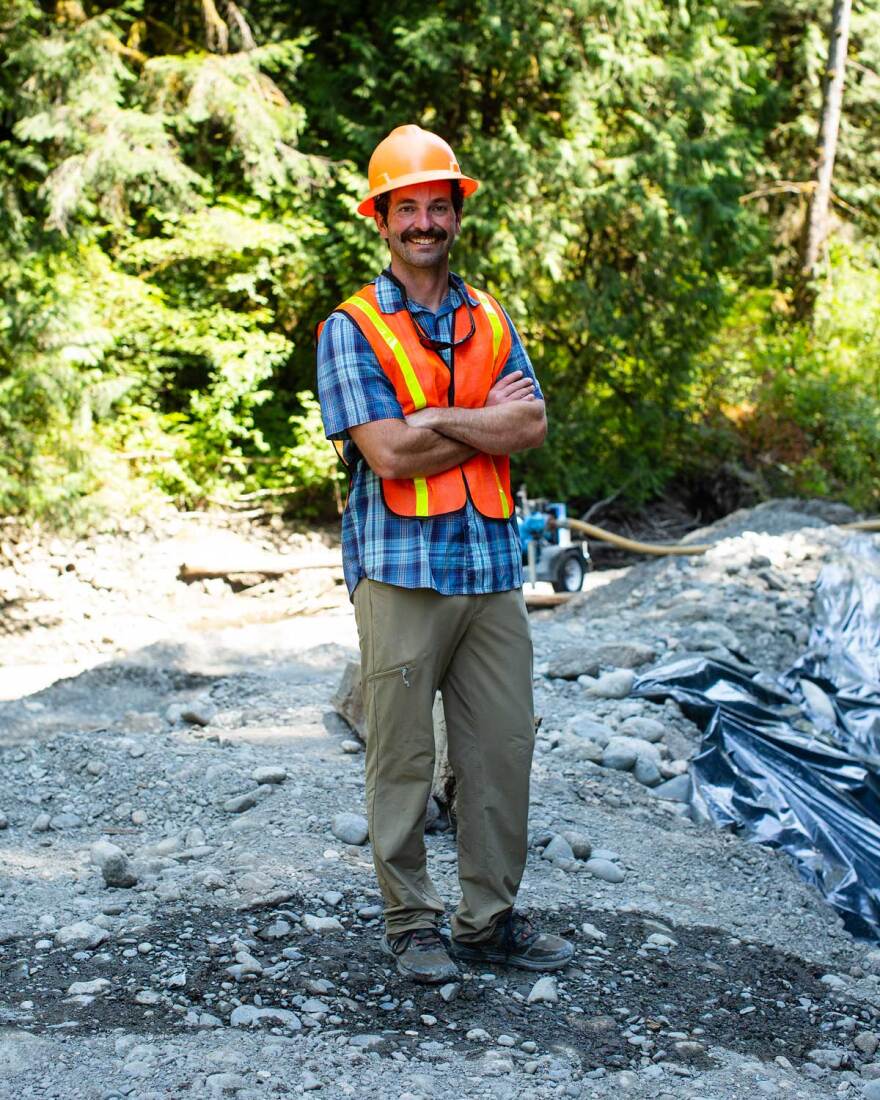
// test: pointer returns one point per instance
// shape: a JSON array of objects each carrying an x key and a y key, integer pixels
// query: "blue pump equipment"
[{"x": 547, "y": 548}]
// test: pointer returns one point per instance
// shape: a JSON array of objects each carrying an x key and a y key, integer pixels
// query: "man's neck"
[{"x": 425, "y": 285}]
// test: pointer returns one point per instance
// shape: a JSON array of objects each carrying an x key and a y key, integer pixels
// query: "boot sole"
[{"x": 498, "y": 958}]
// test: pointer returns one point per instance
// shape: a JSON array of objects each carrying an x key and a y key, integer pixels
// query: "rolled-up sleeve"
[
  {"x": 519, "y": 359},
  {"x": 352, "y": 387}
]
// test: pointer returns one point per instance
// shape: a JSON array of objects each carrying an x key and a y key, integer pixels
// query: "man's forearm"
[
  {"x": 496, "y": 430},
  {"x": 422, "y": 452},
  {"x": 394, "y": 449}
]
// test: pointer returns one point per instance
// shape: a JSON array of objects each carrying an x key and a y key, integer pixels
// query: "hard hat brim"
[{"x": 468, "y": 186}]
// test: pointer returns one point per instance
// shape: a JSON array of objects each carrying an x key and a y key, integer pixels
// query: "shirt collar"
[{"x": 391, "y": 300}]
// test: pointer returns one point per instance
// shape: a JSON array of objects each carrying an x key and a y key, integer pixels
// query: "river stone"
[
  {"x": 613, "y": 685},
  {"x": 647, "y": 772},
  {"x": 648, "y": 729},
  {"x": 589, "y": 730},
  {"x": 558, "y": 849},
  {"x": 241, "y": 802},
  {"x": 871, "y": 1091},
  {"x": 675, "y": 790},
  {"x": 269, "y": 774},
  {"x": 99, "y": 985},
  {"x": 350, "y": 828},
  {"x": 580, "y": 845},
  {"x": 621, "y": 753},
  {"x": 867, "y": 1042},
  {"x": 571, "y": 662},
  {"x": 113, "y": 863},
  {"x": 605, "y": 870},
  {"x": 198, "y": 713},
  {"x": 544, "y": 991},
  {"x": 579, "y": 749},
  {"x": 322, "y": 925},
  {"x": 827, "y": 1057},
  {"x": 251, "y": 1016},
  {"x": 81, "y": 934}
]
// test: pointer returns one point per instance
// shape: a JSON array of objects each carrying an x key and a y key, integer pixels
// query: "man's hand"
[{"x": 515, "y": 386}]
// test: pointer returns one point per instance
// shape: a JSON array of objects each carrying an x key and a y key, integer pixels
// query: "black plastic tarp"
[{"x": 793, "y": 767}]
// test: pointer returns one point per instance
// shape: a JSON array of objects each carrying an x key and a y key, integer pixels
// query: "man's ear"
[{"x": 381, "y": 225}]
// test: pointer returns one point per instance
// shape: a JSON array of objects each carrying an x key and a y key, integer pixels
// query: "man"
[{"x": 427, "y": 390}]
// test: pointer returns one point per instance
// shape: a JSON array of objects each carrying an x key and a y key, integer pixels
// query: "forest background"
[{"x": 178, "y": 183}]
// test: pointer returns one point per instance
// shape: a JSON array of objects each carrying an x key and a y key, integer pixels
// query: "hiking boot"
[
  {"x": 516, "y": 943},
  {"x": 422, "y": 955}
]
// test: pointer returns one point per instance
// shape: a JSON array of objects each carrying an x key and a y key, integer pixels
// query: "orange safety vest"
[{"x": 421, "y": 379}]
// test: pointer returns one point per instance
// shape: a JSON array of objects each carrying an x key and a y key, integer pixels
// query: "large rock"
[
  {"x": 113, "y": 863},
  {"x": 251, "y": 1016},
  {"x": 648, "y": 729},
  {"x": 647, "y": 772},
  {"x": 348, "y": 701},
  {"x": 605, "y": 870},
  {"x": 81, "y": 934},
  {"x": 590, "y": 730},
  {"x": 586, "y": 660},
  {"x": 675, "y": 790},
  {"x": 621, "y": 753},
  {"x": 350, "y": 828},
  {"x": 544, "y": 991},
  {"x": 558, "y": 849},
  {"x": 616, "y": 684}
]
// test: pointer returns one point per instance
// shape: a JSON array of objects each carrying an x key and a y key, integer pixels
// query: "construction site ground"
[{"x": 189, "y": 723}]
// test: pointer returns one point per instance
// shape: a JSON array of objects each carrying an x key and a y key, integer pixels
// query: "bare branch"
[{"x": 235, "y": 17}]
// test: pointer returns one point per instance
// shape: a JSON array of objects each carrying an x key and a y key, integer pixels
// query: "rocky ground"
[{"x": 187, "y": 902}]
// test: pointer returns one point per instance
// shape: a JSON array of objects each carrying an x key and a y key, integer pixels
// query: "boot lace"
[{"x": 517, "y": 932}]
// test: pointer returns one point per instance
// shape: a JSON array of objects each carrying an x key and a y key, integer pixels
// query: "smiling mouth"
[{"x": 432, "y": 239}]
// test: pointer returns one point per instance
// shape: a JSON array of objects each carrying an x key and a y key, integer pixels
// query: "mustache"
[{"x": 432, "y": 234}]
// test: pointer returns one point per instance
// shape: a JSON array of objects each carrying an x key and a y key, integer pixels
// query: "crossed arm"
[{"x": 432, "y": 440}]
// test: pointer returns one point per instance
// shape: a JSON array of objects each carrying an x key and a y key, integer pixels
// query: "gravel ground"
[{"x": 184, "y": 912}]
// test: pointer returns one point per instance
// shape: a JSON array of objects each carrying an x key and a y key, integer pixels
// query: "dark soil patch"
[{"x": 746, "y": 997}]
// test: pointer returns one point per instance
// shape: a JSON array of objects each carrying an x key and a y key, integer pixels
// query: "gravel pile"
[{"x": 188, "y": 906}]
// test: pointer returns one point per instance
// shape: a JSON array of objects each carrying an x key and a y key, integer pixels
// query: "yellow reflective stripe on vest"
[
  {"x": 421, "y": 487},
  {"x": 409, "y": 375},
  {"x": 494, "y": 321},
  {"x": 505, "y": 507}
]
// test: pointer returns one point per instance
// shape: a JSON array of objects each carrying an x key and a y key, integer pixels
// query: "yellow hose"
[{"x": 677, "y": 549}]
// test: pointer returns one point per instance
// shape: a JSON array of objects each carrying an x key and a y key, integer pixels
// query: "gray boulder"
[
  {"x": 616, "y": 684},
  {"x": 113, "y": 863},
  {"x": 558, "y": 849},
  {"x": 648, "y": 729},
  {"x": 350, "y": 828},
  {"x": 675, "y": 790},
  {"x": 589, "y": 730}
]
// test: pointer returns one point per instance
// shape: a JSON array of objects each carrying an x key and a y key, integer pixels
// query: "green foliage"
[
  {"x": 802, "y": 405},
  {"x": 176, "y": 218}
]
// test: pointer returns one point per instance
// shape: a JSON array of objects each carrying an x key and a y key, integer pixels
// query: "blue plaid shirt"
[{"x": 461, "y": 553}]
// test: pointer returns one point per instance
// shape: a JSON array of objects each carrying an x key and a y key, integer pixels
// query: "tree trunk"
[{"x": 816, "y": 227}]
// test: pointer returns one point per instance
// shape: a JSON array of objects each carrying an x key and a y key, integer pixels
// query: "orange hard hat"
[{"x": 411, "y": 155}]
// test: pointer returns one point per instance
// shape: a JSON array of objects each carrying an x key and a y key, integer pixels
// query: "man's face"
[{"x": 422, "y": 224}]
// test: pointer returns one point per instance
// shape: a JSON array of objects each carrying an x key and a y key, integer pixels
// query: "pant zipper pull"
[{"x": 403, "y": 673}]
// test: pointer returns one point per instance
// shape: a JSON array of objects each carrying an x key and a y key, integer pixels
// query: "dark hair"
[{"x": 382, "y": 202}]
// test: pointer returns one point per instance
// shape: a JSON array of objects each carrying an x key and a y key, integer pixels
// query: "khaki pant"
[{"x": 477, "y": 651}]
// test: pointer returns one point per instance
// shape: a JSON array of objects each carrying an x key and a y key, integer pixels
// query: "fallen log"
[{"x": 265, "y": 567}]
